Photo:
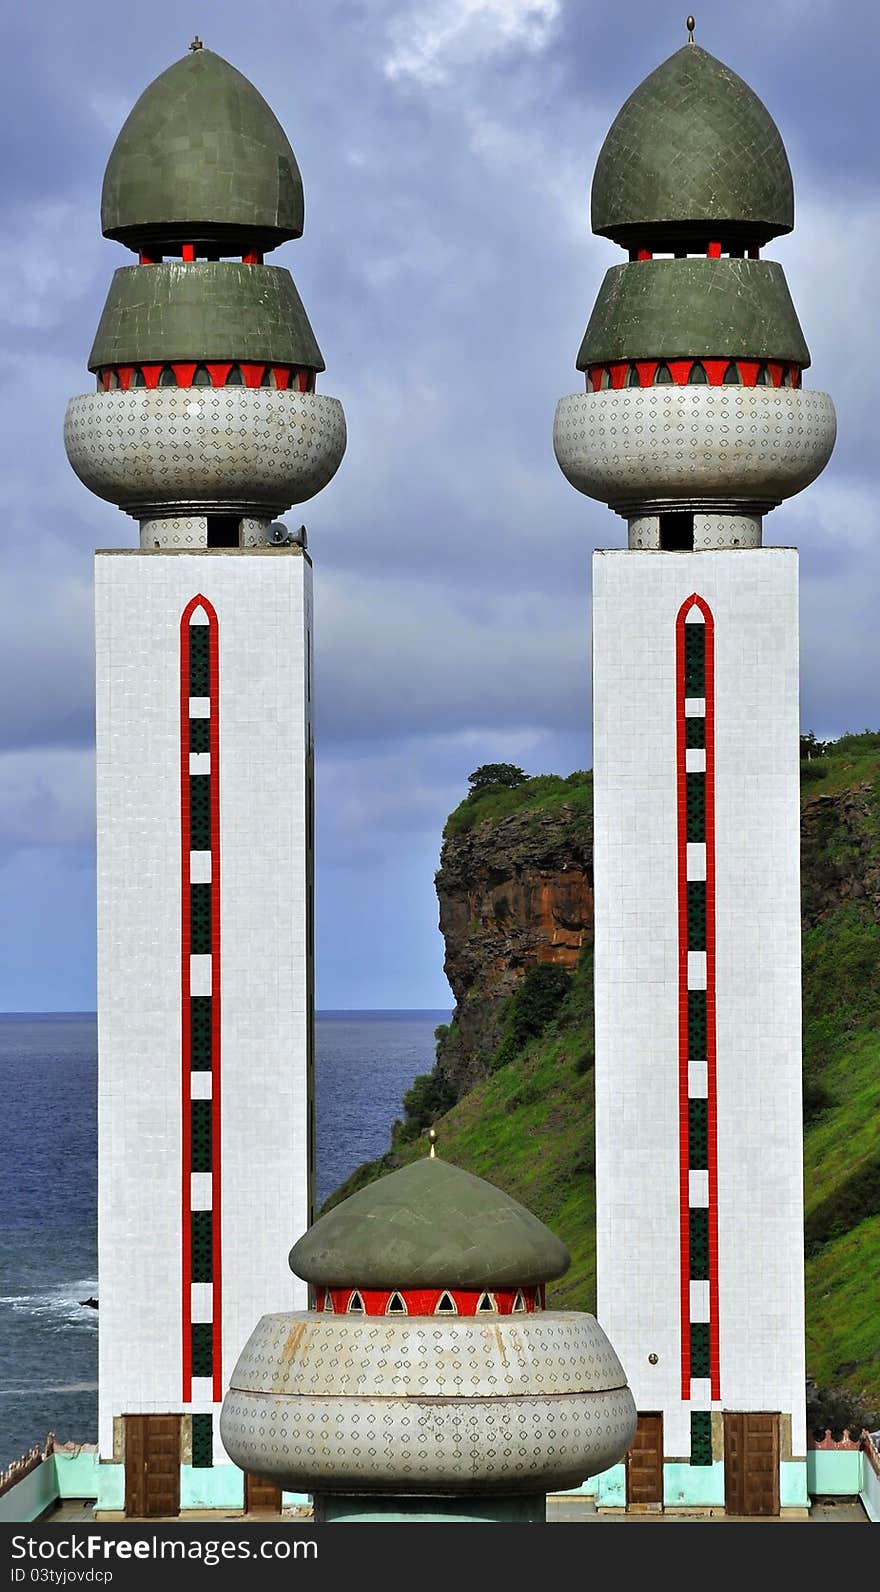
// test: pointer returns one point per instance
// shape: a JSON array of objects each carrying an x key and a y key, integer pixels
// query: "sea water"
[{"x": 364, "y": 1062}]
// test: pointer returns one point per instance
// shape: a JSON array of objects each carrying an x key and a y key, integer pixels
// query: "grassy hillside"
[{"x": 529, "y": 1126}]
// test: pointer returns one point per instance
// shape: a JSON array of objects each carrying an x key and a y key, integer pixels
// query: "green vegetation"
[
  {"x": 541, "y": 794},
  {"x": 528, "y": 1126}
]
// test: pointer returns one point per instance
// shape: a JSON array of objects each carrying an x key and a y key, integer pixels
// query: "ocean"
[{"x": 48, "y": 1190}]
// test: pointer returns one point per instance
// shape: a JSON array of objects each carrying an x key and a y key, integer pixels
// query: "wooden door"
[
  {"x": 751, "y": 1463},
  {"x": 644, "y": 1464},
  {"x": 261, "y": 1496},
  {"x": 152, "y": 1466}
]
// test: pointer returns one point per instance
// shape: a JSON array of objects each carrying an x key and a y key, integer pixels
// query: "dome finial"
[
  {"x": 197, "y": 44},
  {"x": 690, "y": 25},
  {"x": 432, "y": 1140}
]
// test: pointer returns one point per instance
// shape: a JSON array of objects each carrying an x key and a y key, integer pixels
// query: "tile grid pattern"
[
  {"x": 200, "y": 1004},
  {"x": 698, "y": 1160}
]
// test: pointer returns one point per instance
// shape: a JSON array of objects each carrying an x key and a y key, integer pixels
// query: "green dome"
[
  {"x": 693, "y": 146},
  {"x": 430, "y": 1225},
  {"x": 202, "y": 158}
]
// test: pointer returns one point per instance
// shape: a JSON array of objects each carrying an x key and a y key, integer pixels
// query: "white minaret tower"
[
  {"x": 694, "y": 424},
  {"x": 205, "y": 426}
]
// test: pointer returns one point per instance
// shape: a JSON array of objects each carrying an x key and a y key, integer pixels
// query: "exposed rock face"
[
  {"x": 840, "y": 863},
  {"x": 519, "y": 890},
  {"x": 512, "y": 893}
]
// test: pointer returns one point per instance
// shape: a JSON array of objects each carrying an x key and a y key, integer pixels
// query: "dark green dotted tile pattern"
[
  {"x": 698, "y": 1135},
  {"x": 699, "y": 1244},
  {"x": 199, "y": 676},
  {"x": 200, "y": 1033},
  {"x": 200, "y": 735},
  {"x": 695, "y": 798},
  {"x": 701, "y": 1436},
  {"x": 202, "y": 1348},
  {"x": 202, "y": 1441},
  {"x": 201, "y": 1246},
  {"x": 200, "y": 1135},
  {"x": 700, "y": 1348},
  {"x": 200, "y": 812},
  {"x": 200, "y": 919},
  {"x": 694, "y": 660}
]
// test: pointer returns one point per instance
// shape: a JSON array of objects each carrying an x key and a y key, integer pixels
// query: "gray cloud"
[{"x": 447, "y": 266}]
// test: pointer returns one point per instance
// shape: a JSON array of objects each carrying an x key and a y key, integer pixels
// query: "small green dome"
[
  {"x": 430, "y": 1225},
  {"x": 202, "y": 158},
  {"x": 692, "y": 146}
]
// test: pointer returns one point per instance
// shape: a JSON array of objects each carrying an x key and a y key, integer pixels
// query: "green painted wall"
[
  {"x": 611, "y": 1488},
  {"x": 694, "y": 1485},
  {"x": 111, "y": 1487},
  {"x": 833, "y": 1472},
  {"x": 31, "y": 1496},
  {"x": 793, "y": 1488},
  {"x": 77, "y": 1475},
  {"x": 211, "y": 1487}
]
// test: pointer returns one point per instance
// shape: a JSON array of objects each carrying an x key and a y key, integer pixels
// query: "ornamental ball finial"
[
  {"x": 690, "y": 25},
  {"x": 432, "y": 1140}
]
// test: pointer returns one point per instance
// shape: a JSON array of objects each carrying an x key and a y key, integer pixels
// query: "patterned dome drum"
[{"x": 431, "y": 1366}]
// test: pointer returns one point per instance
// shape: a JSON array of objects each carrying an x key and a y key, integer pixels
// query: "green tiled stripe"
[
  {"x": 202, "y": 1256},
  {"x": 202, "y": 1348},
  {"x": 200, "y": 741},
  {"x": 200, "y": 919},
  {"x": 199, "y": 678},
  {"x": 698, "y": 1135},
  {"x": 699, "y": 1348},
  {"x": 694, "y": 660},
  {"x": 699, "y": 1243},
  {"x": 695, "y": 732},
  {"x": 200, "y": 811},
  {"x": 202, "y": 1441},
  {"x": 696, "y": 914},
  {"x": 200, "y": 1117},
  {"x": 701, "y": 1436},
  {"x": 695, "y": 787},
  {"x": 200, "y": 1033},
  {"x": 697, "y": 1024}
]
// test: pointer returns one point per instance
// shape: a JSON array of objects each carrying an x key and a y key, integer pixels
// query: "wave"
[
  {"x": 59, "y": 1305},
  {"x": 37, "y": 1387}
]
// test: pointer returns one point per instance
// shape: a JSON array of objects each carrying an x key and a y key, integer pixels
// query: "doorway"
[
  {"x": 261, "y": 1496},
  {"x": 644, "y": 1465},
  {"x": 152, "y": 1466},
  {"x": 751, "y": 1463}
]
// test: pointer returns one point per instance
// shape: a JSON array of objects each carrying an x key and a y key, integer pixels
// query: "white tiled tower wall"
[
  {"x": 263, "y": 603},
  {"x": 754, "y": 599}
]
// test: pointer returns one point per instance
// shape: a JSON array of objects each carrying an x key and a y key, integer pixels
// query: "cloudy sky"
[{"x": 448, "y": 269}]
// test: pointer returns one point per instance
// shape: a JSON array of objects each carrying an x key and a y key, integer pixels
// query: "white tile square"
[
  {"x": 696, "y": 860},
  {"x": 698, "y": 1188},
  {"x": 695, "y": 759},
  {"x": 199, "y": 707},
  {"x": 698, "y": 1080},
  {"x": 699, "y": 1301},
  {"x": 200, "y": 867},
  {"x": 696, "y": 970},
  {"x": 200, "y": 975}
]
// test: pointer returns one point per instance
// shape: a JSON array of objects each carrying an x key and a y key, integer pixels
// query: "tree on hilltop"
[{"x": 495, "y": 776}]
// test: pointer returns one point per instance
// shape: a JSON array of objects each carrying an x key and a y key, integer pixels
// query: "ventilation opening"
[
  {"x": 519, "y": 1303},
  {"x": 355, "y": 1305},
  {"x": 486, "y": 1302},
  {"x": 445, "y": 1306},
  {"x": 222, "y": 530},
  {"x": 676, "y": 533},
  {"x": 395, "y": 1306},
  {"x": 328, "y": 1302}
]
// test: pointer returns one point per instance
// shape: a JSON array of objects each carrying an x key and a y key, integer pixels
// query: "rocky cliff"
[{"x": 514, "y": 892}]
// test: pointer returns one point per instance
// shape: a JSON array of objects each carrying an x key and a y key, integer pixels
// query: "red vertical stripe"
[
  {"x": 683, "y": 1141},
  {"x": 216, "y": 1212},
  {"x": 683, "y": 1040},
  {"x": 711, "y": 1046},
  {"x": 185, "y": 991},
  {"x": 185, "y": 1035}
]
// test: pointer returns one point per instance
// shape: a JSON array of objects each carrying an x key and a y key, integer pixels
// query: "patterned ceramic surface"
[
  {"x": 201, "y": 448},
  {"x": 421, "y": 1405},
  {"x": 699, "y": 444}
]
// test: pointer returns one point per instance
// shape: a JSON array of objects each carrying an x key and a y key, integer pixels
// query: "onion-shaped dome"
[
  {"x": 429, "y": 1225},
  {"x": 202, "y": 157},
  {"x": 692, "y": 151}
]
